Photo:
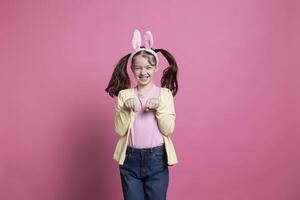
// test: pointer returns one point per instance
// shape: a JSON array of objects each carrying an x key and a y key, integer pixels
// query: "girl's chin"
[
  {"x": 144, "y": 79},
  {"x": 143, "y": 83}
]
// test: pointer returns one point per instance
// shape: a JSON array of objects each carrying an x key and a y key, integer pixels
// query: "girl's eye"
[{"x": 139, "y": 68}]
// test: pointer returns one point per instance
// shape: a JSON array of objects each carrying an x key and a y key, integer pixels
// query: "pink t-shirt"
[{"x": 144, "y": 131}]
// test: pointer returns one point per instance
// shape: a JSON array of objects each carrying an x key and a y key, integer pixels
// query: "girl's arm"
[
  {"x": 165, "y": 114},
  {"x": 122, "y": 117}
]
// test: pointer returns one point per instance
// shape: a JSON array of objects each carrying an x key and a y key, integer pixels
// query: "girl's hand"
[
  {"x": 152, "y": 103},
  {"x": 131, "y": 103}
]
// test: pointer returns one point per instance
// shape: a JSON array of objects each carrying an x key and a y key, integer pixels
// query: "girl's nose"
[{"x": 143, "y": 72}]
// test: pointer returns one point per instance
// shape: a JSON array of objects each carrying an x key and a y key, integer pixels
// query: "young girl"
[{"x": 144, "y": 121}]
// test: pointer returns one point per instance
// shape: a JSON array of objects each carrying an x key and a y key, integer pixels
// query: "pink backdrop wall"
[{"x": 236, "y": 132}]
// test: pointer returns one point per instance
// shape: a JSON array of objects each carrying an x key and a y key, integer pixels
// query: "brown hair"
[{"x": 120, "y": 79}]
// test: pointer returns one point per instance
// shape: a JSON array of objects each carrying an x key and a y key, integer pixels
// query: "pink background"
[{"x": 238, "y": 105}]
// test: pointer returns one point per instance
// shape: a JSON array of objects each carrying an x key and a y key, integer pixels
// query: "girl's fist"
[
  {"x": 152, "y": 103},
  {"x": 131, "y": 103}
]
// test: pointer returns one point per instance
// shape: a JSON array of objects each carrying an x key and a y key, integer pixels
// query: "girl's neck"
[{"x": 144, "y": 88}]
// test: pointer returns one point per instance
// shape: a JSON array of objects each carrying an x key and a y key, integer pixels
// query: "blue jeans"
[{"x": 145, "y": 174}]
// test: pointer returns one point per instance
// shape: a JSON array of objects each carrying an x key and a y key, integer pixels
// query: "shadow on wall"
[{"x": 88, "y": 172}]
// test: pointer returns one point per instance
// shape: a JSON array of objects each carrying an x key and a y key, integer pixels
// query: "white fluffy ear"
[
  {"x": 148, "y": 40},
  {"x": 136, "y": 39}
]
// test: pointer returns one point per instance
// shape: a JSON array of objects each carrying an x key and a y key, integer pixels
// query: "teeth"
[{"x": 144, "y": 78}]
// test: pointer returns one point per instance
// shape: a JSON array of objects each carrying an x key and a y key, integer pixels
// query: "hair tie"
[{"x": 148, "y": 43}]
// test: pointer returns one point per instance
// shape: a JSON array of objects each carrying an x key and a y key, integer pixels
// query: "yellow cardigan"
[{"x": 165, "y": 115}]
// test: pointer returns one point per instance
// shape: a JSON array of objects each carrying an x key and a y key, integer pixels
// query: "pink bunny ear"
[
  {"x": 136, "y": 39},
  {"x": 148, "y": 40}
]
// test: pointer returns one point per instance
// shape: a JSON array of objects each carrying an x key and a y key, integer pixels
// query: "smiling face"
[{"x": 144, "y": 70}]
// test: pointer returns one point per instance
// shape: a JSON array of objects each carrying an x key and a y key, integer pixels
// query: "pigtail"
[
  {"x": 169, "y": 78},
  {"x": 119, "y": 79}
]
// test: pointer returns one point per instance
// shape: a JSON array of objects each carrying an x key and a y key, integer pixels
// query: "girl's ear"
[
  {"x": 136, "y": 39},
  {"x": 148, "y": 39}
]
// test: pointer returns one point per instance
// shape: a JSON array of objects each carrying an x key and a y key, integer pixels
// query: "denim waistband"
[{"x": 151, "y": 149}]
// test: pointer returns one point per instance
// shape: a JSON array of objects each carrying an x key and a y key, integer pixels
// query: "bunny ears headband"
[{"x": 137, "y": 41}]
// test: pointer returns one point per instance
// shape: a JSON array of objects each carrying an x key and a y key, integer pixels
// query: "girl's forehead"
[{"x": 141, "y": 61}]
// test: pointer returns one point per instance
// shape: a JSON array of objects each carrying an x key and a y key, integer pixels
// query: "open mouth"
[{"x": 144, "y": 78}]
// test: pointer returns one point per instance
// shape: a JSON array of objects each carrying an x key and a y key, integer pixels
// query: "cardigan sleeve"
[
  {"x": 122, "y": 117},
  {"x": 165, "y": 113}
]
